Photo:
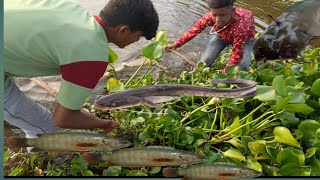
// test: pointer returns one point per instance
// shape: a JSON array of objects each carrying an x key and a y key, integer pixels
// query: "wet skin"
[{"x": 287, "y": 36}]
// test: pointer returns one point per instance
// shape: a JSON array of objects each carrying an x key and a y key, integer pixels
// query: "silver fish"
[
  {"x": 146, "y": 156},
  {"x": 152, "y": 95},
  {"x": 71, "y": 141},
  {"x": 217, "y": 171}
]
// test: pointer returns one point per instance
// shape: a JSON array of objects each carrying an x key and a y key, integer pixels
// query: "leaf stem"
[{"x": 135, "y": 73}]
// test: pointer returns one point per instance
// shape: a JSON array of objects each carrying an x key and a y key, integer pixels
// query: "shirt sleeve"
[
  {"x": 197, "y": 28},
  {"x": 78, "y": 81}
]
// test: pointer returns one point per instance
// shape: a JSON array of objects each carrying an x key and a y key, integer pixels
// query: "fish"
[
  {"x": 291, "y": 33},
  {"x": 152, "y": 95},
  {"x": 70, "y": 141},
  {"x": 151, "y": 156},
  {"x": 218, "y": 171}
]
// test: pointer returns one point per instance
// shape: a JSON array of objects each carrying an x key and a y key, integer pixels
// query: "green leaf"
[
  {"x": 113, "y": 85},
  {"x": 309, "y": 128},
  {"x": 288, "y": 119},
  {"x": 297, "y": 95},
  {"x": 234, "y": 154},
  {"x": 87, "y": 173},
  {"x": 75, "y": 169},
  {"x": 253, "y": 164},
  {"x": 310, "y": 152},
  {"x": 199, "y": 142},
  {"x": 146, "y": 113},
  {"x": 279, "y": 85},
  {"x": 136, "y": 173},
  {"x": 315, "y": 166},
  {"x": 176, "y": 115},
  {"x": 235, "y": 124},
  {"x": 236, "y": 143},
  {"x": 272, "y": 151},
  {"x": 281, "y": 104},
  {"x": 265, "y": 93},
  {"x": 291, "y": 81},
  {"x": 245, "y": 140},
  {"x": 112, "y": 171},
  {"x": 5, "y": 155},
  {"x": 258, "y": 149},
  {"x": 112, "y": 56},
  {"x": 16, "y": 171},
  {"x": 283, "y": 135},
  {"x": 138, "y": 120},
  {"x": 295, "y": 170},
  {"x": 153, "y": 51},
  {"x": 315, "y": 88},
  {"x": 32, "y": 159},
  {"x": 291, "y": 155},
  {"x": 310, "y": 68},
  {"x": 161, "y": 38},
  {"x": 302, "y": 108},
  {"x": 154, "y": 170}
]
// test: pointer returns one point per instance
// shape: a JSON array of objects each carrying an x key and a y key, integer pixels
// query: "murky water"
[{"x": 176, "y": 16}]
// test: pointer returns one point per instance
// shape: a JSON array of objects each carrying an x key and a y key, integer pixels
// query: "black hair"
[
  {"x": 139, "y": 15},
  {"x": 220, "y": 3}
]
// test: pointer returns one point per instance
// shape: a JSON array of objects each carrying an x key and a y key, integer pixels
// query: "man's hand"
[
  {"x": 170, "y": 47},
  {"x": 223, "y": 71},
  {"x": 80, "y": 119}
]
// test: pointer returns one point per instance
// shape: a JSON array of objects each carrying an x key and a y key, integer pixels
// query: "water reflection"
[{"x": 176, "y": 16}]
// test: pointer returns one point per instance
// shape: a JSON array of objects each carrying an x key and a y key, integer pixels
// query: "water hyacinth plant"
[{"x": 276, "y": 132}]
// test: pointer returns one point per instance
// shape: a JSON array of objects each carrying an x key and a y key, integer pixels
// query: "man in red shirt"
[{"x": 231, "y": 25}]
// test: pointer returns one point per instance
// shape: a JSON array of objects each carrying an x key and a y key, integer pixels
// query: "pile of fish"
[
  {"x": 91, "y": 142},
  {"x": 152, "y": 95}
]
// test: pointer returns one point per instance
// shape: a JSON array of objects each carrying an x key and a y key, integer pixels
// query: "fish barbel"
[
  {"x": 69, "y": 141},
  {"x": 145, "y": 157},
  {"x": 151, "y": 95},
  {"x": 219, "y": 171}
]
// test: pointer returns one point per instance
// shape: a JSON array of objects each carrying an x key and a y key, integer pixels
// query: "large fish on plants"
[{"x": 152, "y": 95}]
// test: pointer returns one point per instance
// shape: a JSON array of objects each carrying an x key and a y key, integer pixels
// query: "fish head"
[
  {"x": 191, "y": 158},
  {"x": 282, "y": 39},
  {"x": 116, "y": 143},
  {"x": 247, "y": 172}
]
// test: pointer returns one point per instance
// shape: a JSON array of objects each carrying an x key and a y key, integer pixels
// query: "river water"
[{"x": 176, "y": 16}]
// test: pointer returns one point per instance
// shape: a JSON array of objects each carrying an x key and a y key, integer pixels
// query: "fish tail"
[
  {"x": 170, "y": 172},
  {"x": 92, "y": 157},
  {"x": 18, "y": 142}
]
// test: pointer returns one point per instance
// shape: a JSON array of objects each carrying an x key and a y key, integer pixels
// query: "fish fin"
[
  {"x": 150, "y": 103},
  {"x": 170, "y": 172},
  {"x": 18, "y": 142},
  {"x": 92, "y": 157},
  {"x": 87, "y": 145}
]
